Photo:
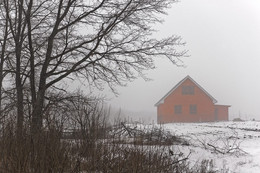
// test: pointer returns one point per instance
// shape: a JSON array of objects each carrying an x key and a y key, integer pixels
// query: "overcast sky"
[{"x": 223, "y": 39}]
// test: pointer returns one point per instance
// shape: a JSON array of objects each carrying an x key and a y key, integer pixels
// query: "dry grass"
[
  {"x": 50, "y": 153},
  {"x": 91, "y": 148}
]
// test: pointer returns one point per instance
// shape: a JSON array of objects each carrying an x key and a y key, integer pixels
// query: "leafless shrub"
[
  {"x": 137, "y": 135},
  {"x": 223, "y": 144}
]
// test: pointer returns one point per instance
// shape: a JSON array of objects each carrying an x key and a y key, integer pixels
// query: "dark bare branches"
[{"x": 104, "y": 42}]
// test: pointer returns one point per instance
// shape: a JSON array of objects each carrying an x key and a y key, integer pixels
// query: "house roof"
[{"x": 176, "y": 86}]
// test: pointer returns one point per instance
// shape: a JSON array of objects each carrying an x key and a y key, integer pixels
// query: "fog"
[{"x": 223, "y": 39}]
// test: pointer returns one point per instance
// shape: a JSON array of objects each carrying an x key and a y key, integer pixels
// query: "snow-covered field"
[{"x": 231, "y": 145}]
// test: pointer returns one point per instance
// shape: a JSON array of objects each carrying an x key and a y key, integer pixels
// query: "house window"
[
  {"x": 177, "y": 109},
  {"x": 187, "y": 90},
  {"x": 216, "y": 114},
  {"x": 193, "y": 109}
]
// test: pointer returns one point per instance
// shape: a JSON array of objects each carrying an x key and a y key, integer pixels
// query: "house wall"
[
  {"x": 205, "y": 106},
  {"x": 222, "y": 112}
]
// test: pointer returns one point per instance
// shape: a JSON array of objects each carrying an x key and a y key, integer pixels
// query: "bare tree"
[
  {"x": 15, "y": 23},
  {"x": 101, "y": 41}
]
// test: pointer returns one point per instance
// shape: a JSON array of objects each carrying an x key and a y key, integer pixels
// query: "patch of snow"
[{"x": 245, "y": 136}]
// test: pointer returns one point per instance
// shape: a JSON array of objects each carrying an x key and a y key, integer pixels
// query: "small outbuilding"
[{"x": 189, "y": 102}]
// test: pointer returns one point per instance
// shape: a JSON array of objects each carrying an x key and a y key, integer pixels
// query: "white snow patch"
[{"x": 244, "y": 135}]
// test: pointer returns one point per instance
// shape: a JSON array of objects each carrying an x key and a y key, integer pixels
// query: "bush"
[{"x": 237, "y": 120}]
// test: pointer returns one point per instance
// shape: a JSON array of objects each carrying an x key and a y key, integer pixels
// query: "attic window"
[{"x": 187, "y": 90}]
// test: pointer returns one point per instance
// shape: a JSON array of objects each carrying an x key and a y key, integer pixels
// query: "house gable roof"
[{"x": 176, "y": 86}]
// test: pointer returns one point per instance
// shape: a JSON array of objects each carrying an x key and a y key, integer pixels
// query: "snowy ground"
[{"x": 240, "y": 141}]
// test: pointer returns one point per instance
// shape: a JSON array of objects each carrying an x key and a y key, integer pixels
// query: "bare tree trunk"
[
  {"x": 19, "y": 90},
  {"x": 37, "y": 119},
  {"x": 18, "y": 80},
  {"x": 2, "y": 59},
  {"x": 32, "y": 56},
  {"x": 35, "y": 124},
  {"x": 18, "y": 27}
]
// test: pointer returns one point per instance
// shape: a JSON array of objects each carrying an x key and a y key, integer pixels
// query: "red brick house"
[{"x": 189, "y": 102}]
